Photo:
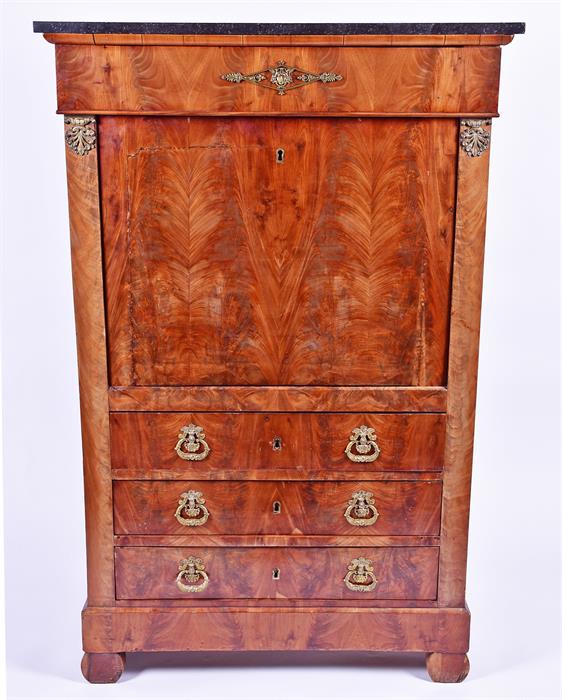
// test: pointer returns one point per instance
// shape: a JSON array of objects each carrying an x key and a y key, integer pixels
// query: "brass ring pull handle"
[
  {"x": 361, "y": 509},
  {"x": 191, "y": 504},
  {"x": 360, "y": 576},
  {"x": 191, "y": 444},
  {"x": 362, "y": 445},
  {"x": 192, "y": 570}
]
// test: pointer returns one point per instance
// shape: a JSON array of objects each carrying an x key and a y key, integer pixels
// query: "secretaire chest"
[{"x": 277, "y": 246}]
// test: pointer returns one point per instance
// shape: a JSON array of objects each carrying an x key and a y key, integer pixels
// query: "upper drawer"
[
  {"x": 179, "y": 80},
  {"x": 206, "y": 442}
]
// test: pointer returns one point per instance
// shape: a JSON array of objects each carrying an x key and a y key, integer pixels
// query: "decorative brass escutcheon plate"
[
  {"x": 360, "y": 576},
  {"x": 361, "y": 509},
  {"x": 192, "y": 570},
  {"x": 362, "y": 445},
  {"x": 191, "y": 503},
  {"x": 191, "y": 444},
  {"x": 282, "y": 77}
]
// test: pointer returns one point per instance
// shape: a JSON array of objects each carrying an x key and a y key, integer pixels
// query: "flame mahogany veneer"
[{"x": 279, "y": 270}]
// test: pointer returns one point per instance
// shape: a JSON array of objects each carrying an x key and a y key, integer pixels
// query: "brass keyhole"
[
  {"x": 280, "y": 155},
  {"x": 276, "y": 574},
  {"x": 277, "y": 443},
  {"x": 276, "y": 507}
]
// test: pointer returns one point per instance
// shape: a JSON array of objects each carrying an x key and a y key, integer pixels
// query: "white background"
[{"x": 513, "y": 576}]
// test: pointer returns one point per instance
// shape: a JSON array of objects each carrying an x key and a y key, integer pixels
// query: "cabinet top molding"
[{"x": 278, "y": 29}]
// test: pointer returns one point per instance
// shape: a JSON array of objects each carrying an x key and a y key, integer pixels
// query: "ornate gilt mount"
[
  {"x": 193, "y": 571},
  {"x": 474, "y": 138},
  {"x": 362, "y": 445},
  {"x": 360, "y": 576},
  {"x": 80, "y": 134},
  {"x": 191, "y": 444},
  {"x": 361, "y": 509},
  {"x": 282, "y": 77},
  {"x": 191, "y": 504}
]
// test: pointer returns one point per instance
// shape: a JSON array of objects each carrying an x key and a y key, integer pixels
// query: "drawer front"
[
  {"x": 403, "y": 573},
  {"x": 278, "y": 440},
  {"x": 277, "y": 508},
  {"x": 159, "y": 79}
]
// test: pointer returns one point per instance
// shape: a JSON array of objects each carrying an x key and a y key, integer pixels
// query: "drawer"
[
  {"x": 195, "y": 79},
  {"x": 402, "y": 573},
  {"x": 277, "y": 508},
  {"x": 338, "y": 441}
]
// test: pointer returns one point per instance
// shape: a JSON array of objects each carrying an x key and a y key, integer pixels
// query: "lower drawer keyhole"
[{"x": 276, "y": 575}]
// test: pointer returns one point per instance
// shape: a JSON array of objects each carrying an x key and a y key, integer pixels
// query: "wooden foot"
[
  {"x": 102, "y": 668},
  {"x": 447, "y": 668}
]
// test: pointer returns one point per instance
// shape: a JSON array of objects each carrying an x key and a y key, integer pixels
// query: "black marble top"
[{"x": 276, "y": 29}]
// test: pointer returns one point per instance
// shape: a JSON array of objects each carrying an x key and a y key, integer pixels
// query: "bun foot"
[
  {"x": 102, "y": 668},
  {"x": 447, "y": 668}
]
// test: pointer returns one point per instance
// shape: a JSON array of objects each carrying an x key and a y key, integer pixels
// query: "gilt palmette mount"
[
  {"x": 80, "y": 134},
  {"x": 474, "y": 138},
  {"x": 282, "y": 77}
]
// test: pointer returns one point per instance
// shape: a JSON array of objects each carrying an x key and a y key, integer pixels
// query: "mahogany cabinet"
[{"x": 277, "y": 246}]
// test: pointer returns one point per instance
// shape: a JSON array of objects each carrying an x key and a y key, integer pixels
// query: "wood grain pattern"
[
  {"x": 187, "y": 79},
  {"x": 283, "y": 40},
  {"x": 85, "y": 241},
  {"x": 245, "y": 441},
  {"x": 173, "y": 629},
  {"x": 278, "y": 398},
  {"x": 280, "y": 603},
  {"x": 470, "y": 233},
  {"x": 224, "y": 267},
  {"x": 260, "y": 540},
  {"x": 404, "y": 507},
  {"x": 202, "y": 473},
  {"x": 218, "y": 604},
  {"x": 313, "y": 573}
]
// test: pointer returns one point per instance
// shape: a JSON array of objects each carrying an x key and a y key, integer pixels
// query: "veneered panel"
[
  {"x": 184, "y": 79},
  {"x": 406, "y": 573},
  {"x": 160, "y": 628},
  {"x": 243, "y": 441},
  {"x": 285, "y": 398},
  {"x": 226, "y": 267},
  {"x": 273, "y": 507}
]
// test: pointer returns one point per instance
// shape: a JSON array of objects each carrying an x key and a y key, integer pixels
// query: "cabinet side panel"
[
  {"x": 85, "y": 236},
  {"x": 470, "y": 229}
]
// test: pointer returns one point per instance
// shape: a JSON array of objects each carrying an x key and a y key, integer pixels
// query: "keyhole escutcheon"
[
  {"x": 280, "y": 156},
  {"x": 276, "y": 443},
  {"x": 276, "y": 574},
  {"x": 276, "y": 506}
]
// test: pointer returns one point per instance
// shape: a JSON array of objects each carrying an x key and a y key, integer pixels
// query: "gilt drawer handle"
[
  {"x": 191, "y": 444},
  {"x": 282, "y": 77},
  {"x": 192, "y": 570},
  {"x": 362, "y": 445},
  {"x": 361, "y": 509},
  {"x": 191, "y": 503},
  {"x": 360, "y": 576}
]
